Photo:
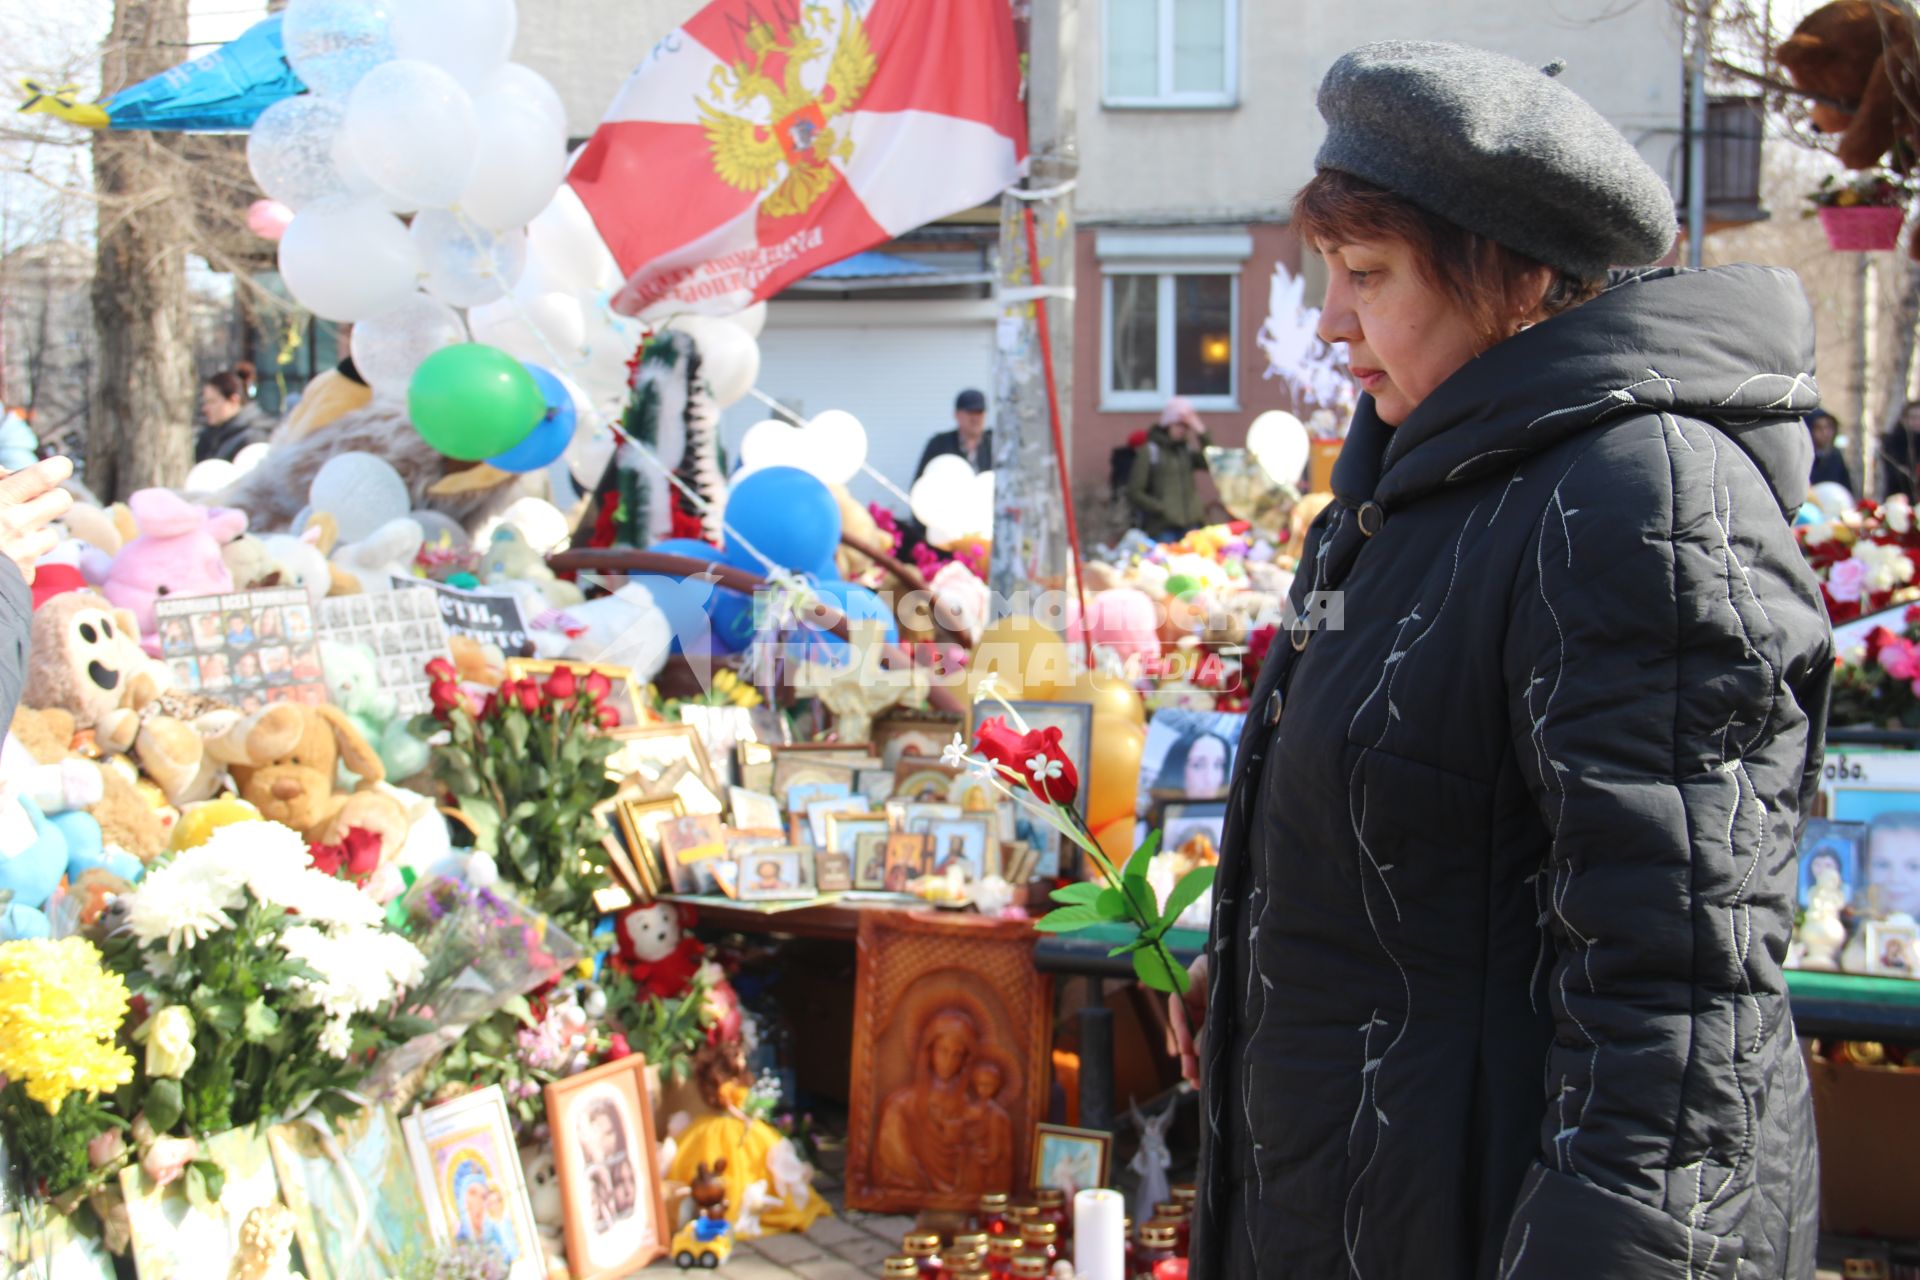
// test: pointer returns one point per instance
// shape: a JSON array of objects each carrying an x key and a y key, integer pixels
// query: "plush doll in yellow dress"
[{"x": 755, "y": 1151}]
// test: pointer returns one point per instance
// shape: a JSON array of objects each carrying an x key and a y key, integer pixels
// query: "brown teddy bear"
[
  {"x": 126, "y": 819},
  {"x": 87, "y": 659},
  {"x": 284, "y": 760},
  {"x": 1862, "y": 57}
]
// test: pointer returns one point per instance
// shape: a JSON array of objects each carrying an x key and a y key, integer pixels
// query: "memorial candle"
[{"x": 1099, "y": 1235}]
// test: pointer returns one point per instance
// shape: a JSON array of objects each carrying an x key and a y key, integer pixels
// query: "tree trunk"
[{"x": 141, "y": 432}]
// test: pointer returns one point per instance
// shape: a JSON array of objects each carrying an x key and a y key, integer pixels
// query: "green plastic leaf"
[
  {"x": 258, "y": 1023},
  {"x": 516, "y": 733},
  {"x": 1186, "y": 893},
  {"x": 1155, "y": 968},
  {"x": 1111, "y": 905},
  {"x": 1068, "y": 919},
  {"x": 1126, "y": 948},
  {"x": 1137, "y": 864},
  {"x": 1077, "y": 895},
  {"x": 485, "y": 821},
  {"x": 223, "y": 1015},
  {"x": 163, "y": 1105}
]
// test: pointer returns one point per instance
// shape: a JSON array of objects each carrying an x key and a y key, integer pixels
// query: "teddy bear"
[
  {"x": 353, "y": 685},
  {"x": 655, "y": 950},
  {"x": 42, "y": 737},
  {"x": 87, "y": 659},
  {"x": 176, "y": 554},
  {"x": 1861, "y": 60},
  {"x": 549, "y": 1209},
  {"x": 302, "y": 559},
  {"x": 387, "y": 552},
  {"x": 249, "y": 563},
  {"x": 511, "y": 562},
  {"x": 283, "y": 761}
]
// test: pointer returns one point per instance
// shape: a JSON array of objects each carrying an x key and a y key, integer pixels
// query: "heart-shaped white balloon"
[
  {"x": 832, "y": 446},
  {"x": 1278, "y": 442}
]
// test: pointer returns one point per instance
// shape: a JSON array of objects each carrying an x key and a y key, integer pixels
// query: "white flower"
[
  {"x": 336, "y": 1038},
  {"x": 988, "y": 686},
  {"x": 955, "y": 754},
  {"x": 1886, "y": 567},
  {"x": 185, "y": 901},
  {"x": 358, "y": 971},
  {"x": 1899, "y": 513},
  {"x": 1819, "y": 534},
  {"x": 1043, "y": 769}
]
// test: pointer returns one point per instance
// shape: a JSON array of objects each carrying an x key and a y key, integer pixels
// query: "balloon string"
[
  {"x": 884, "y": 483},
  {"x": 573, "y": 364}
]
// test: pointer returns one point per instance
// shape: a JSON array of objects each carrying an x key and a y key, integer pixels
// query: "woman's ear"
[{"x": 1530, "y": 297}]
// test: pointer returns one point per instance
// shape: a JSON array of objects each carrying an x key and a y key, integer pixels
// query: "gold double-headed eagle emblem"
[{"x": 792, "y": 146}]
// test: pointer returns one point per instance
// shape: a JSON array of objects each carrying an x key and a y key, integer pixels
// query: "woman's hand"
[
  {"x": 1188, "y": 1014},
  {"x": 30, "y": 500}
]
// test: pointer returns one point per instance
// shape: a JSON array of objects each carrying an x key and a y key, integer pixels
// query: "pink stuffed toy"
[
  {"x": 176, "y": 554},
  {"x": 1122, "y": 619}
]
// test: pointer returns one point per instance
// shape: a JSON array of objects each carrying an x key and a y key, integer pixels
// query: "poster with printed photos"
[
  {"x": 246, "y": 648},
  {"x": 404, "y": 629}
]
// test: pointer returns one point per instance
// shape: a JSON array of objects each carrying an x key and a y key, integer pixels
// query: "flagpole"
[{"x": 1033, "y": 534}]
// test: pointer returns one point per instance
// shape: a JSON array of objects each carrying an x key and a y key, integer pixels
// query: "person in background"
[
  {"x": 233, "y": 421},
  {"x": 1162, "y": 488},
  {"x": 1829, "y": 465},
  {"x": 969, "y": 438},
  {"x": 1896, "y": 453}
]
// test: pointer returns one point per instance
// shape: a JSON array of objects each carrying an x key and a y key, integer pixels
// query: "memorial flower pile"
[{"x": 1864, "y": 559}]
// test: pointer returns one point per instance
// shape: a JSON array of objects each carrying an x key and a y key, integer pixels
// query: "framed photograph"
[
  {"x": 1188, "y": 754},
  {"x": 822, "y": 812},
  {"x": 690, "y": 843},
  {"x": 774, "y": 875},
  {"x": 918, "y": 782},
  {"x": 638, "y": 823},
  {"x": 844, "y": 830},
  {"x": 962, "y": 842},
  {"x": 668, "y": 757},
  {"x": 906, "y": 860},
  {"x": 753, "y": 808},
  {"x": 722, "y": 729},
  {"x": 1826, "y": 844},
  {"x": 603, "y": 1150},
  {"x": 917, "y": 816},
  {"x": 468, "y": 1171},
  {"x": 753, "y": 766},
  {"x": 870, "y": 861},
  {"x": 356, "y": 1208},
  {"x": 801, "y": 770},
  {"x": 875, "y": 784},
  {"x": 1193, "y": 828},
  {"x": 1893, "y": 950},
  {"x": 901, "y": 735},
  {"x": 803, "y": 796},
  {"x": 249, "y": 643},
  {"x": 1891, "y": 858},
  {"x": 1070, "y": 1160},
  {"x": 624, "y": 697},
  {"x": 832, "y": 872}
]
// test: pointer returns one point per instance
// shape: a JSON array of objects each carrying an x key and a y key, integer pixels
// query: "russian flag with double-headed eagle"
[{"x": 766, "y": 139}]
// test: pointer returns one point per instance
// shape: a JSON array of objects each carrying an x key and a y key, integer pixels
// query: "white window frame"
[
  {"x": 1167, "y": 98},
  {"x": 1114, "y": 401}
]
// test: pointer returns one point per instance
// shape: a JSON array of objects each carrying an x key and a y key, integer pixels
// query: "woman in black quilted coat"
[{"x": 1494, "y": 986}]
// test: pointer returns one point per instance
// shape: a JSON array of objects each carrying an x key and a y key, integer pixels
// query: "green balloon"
[{"x": 472, "y": 401}]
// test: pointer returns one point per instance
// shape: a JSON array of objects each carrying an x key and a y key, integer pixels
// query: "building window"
[
  {"x": 1171, "y": 53},
  {"x": 1167, "y": 334}
]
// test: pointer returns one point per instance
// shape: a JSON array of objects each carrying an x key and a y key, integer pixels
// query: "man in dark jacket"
[
  {"x": 1829, "y": 464},
  {"x": 969, "y": 438},
  {"x": 233, "y": 420}
]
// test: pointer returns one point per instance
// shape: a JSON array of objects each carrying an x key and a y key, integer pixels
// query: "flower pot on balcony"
[{"x": 1863, "y": 228}]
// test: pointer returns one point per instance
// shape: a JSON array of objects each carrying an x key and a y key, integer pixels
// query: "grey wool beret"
[{"x": 1498, "y": 148}]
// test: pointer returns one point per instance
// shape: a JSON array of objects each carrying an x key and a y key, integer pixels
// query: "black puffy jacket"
[{"x": 1496, "y": 986}]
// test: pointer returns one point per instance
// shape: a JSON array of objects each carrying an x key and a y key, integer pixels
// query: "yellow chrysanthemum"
[{"x": 59, "y": 1014}]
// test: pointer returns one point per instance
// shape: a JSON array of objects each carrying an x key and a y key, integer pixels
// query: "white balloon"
[
  {"x": 467, "y": 265},
  {"x": 348, "y": 260},
  {"x": 290, "y": 150},
  {"x": 611, "y": 341},
  {"x": 468, "y": 39},
  {"x": 939, "y": 495},
  {"x": 520, "y": 163},
  {"x": 529, "y": 86},
  {"x": 836, "y": 446},
  {"x": 548, "y": 330},
  {"x": 331, "y": 44},
  {"x": 358, "y": 181},
  {"x": 412, "y": 128},
  {"x": 388, "y": 348},
  {"x": 252, "y": 456},
  {"x": 1278, "y": 442},
  {"x": 1833, "y": 498},
  {"x": 211, "y": 476},
  {"x": 565, "y": 245},
  {"x": 729, "y": 356},
  {"x": 753, "y": 319},
  {"x": 769, "y": 443}
]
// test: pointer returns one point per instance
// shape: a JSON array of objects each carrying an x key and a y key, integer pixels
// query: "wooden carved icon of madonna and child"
[{"x": 951, "y": 1027}]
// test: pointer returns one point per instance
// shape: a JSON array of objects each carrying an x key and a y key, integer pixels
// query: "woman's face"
[
  {"x": 477, "y": 1206},
  {"x": 216, "y": 408},
  {"x": 1404, "y": 335},
  {"x": 1206, "y": 767}
]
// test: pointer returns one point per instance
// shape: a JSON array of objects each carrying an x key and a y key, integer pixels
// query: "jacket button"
[
  {"x": 1297, "y": 635},
  {"x": 1273, "y": 708},
  {"x": 1370, "y": 518}
]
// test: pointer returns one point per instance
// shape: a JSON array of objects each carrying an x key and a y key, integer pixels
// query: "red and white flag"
[{"x": 766, "y": 139}]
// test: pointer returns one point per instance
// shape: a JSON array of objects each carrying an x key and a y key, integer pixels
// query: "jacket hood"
[{"x": 1731, "y": 346}]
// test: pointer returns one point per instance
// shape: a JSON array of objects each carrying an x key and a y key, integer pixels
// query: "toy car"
[{"x": 705, "y": 1242}]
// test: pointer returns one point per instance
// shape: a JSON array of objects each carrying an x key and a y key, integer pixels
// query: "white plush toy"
[
  {"x": 753, "y": 1202},
  {"x": 625, "y": 629},
  {"x": 388, "y": 551},
  {"x": 302, "y": 563},
  {"x": 549, "y": 1210}
]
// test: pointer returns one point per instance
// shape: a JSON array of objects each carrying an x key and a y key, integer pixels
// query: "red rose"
[
  {"x": 562, "y": 685},
  {"x": 528, "y": 695},
  {"x": 598, "y": 686},
  {"x": 1036, "y": 758},
  {"x": 445, "y": 696},
  {"x": 357, "y": 855},
  {"x": 607, "y": 717},
  {"x": 441, "y": 669},
  {"x": 618, "y": 1048}
]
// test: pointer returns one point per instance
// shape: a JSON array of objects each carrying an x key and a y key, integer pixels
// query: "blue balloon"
[
  {"x": 788, "y": 516},
  {"x": 858, "y": 605},
  {"x": 550, "y": 436},
  {"x": 732, "y": 617},
  {"x": 691, "y": 548}
]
